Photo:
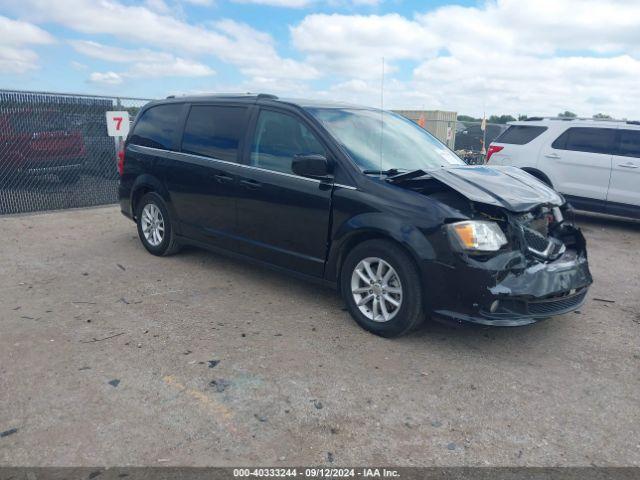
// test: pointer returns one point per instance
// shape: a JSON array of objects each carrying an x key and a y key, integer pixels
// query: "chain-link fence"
[
  {"x": 55, "y": 152},
  {"x": 470, "y": 140}
]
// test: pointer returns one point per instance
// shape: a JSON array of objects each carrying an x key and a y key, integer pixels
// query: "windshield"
[{"x": 384, "y": 141}]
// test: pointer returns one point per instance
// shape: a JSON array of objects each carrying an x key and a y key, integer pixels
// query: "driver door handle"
[
  {"x": 250, "y": 184},
  {"x": 628, "y": 165},
  {"x": 552, "y": 155},
  {"x": 221, "y": 178}
]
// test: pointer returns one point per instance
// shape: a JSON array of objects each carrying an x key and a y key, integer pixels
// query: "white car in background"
[{"x": 595, "y": 164}]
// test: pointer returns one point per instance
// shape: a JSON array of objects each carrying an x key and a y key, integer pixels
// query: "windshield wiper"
[
  {"x": 399, "y": 177},
  {"x": 391, "y": 171}
]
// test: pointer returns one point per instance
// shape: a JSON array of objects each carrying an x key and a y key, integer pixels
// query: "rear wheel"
[
  {"x": 382, "y": 289},
  {"x": 154, "y": 225}
]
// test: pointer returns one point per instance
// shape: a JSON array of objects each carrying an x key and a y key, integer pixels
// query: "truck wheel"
[
  {"x": 381, "y": 287},
  {"x": 154, "y": 226}
]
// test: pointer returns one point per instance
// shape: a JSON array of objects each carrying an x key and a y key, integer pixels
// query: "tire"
[
  {"x": 405, "y": 277},
  {"x": 151, "y": 211}
]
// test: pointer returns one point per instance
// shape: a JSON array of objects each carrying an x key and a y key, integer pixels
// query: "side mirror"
[{"x": 314, "y": 166}]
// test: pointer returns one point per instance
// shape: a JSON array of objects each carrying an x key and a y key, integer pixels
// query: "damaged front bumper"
[{"x": 511, "y": 289}]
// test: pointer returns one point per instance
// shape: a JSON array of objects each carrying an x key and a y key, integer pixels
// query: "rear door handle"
[
  {"x": 251, "y": 184},
  {"x": 552, "y": 155},
  {"x": 221, "y": 178},
  {"x": 628, "y": 165}
]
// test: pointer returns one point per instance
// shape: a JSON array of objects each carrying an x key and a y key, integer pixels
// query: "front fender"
[{"x": 376, "y": 225}]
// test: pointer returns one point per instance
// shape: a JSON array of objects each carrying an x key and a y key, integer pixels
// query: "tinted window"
[
  {"x": 592, "y": 140},
  {"x": 278, "y": 138},
  {"x": 520, "y": 134},
  {"x": 157, "y": 127},
  {"x": 214, "y": 131},
  {"x": 630, "y": 143}
]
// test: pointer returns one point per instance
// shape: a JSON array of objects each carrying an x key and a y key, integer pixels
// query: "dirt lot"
[{"x": 105, "y": 351}]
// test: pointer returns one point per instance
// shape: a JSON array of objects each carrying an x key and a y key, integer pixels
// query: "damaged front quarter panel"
[
  {"x": 541, "y": 272},
  {"x": 520, "y": 286},
  {"x": 543, "y": 277},
  {"x": 517, "y": 286}
]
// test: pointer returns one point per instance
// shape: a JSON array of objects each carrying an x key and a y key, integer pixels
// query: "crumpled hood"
[{"x": 507, "y": 187}]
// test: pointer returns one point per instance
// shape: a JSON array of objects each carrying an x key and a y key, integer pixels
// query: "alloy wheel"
[
  {"x": 152, "y": 224},
  {"x": 376, "y": 289}
]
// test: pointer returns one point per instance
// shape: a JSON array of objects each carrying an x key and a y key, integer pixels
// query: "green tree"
[
  {"x": 500, "y": 119},
  {"x": 467, "y": 118},
  {"x": 567, "y": 114},
  {"x": 522, "y": 117},
  {"x": 602, "y": 116}
]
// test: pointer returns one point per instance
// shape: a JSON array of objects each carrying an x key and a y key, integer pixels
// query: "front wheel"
[
  {"x": 154, "y": 225},
  {"x": 381, "y": 287}
]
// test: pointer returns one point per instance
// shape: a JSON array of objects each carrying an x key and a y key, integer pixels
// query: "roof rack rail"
[
  {"x": 171, "y": 96},
  {"x": 633, "y": 122},
  {"x": 267, "y": 96},
  {"x": 533, "y": 119}
]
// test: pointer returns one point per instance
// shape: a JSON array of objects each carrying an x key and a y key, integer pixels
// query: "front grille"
[
  {"x": 535, "y": 240},
  {"x": 554, "y": 305}
]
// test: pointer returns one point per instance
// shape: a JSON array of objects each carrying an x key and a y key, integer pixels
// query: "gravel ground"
[{"x": 109, "y": 356}]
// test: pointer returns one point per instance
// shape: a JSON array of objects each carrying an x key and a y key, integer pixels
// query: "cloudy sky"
[{"x": 502, "y": 56}]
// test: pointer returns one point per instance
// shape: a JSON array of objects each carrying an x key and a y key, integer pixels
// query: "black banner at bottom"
[{"x": 405, "y": 473}]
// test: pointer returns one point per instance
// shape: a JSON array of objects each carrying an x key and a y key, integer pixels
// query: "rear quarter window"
[
  {"x": 629, "y": 143},
  {"x": 589, "y": 140},
  {"x": 157, "y": 127},
  {"x": 520, "y": 134}
]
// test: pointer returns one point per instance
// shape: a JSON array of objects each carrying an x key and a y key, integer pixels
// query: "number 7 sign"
[{"x": 118, "y": 124}]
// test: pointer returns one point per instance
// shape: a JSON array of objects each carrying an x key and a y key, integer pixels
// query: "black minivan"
[{"x": 357, "y": 198}]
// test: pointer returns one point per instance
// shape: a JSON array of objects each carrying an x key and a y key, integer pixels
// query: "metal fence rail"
[{"x": 55, "y": 152}]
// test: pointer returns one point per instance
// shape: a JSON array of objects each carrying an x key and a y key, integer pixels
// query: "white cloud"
[
  {"x": 252, "y": 51},
  {"x": 119, "y": 55},
  {"x": 15, "y": 32},
  {"x": 506, "y": 56},
  {"x": 159, "y": 6},
  {"x": 178, "y": 67},
  {"x": 107, "y": 78},
  {"x": 14, "y": 36},
  {"x": 309, "y": 3},
  {"x": 354, "y": 45},
  {"x": 279, "y": 3},
  {"x": 145, "y": 63}
]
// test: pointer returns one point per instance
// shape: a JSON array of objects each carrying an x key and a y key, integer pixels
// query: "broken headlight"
[{"x": 477, "y": 235}]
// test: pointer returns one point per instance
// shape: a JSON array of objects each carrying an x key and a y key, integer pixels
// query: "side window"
[
  {"x": 520, "y": 134},
  {"x": 214, "y": 131},
  {"x": 591, "y": 140},
  {"x": 278, "y": 138},
  {"x": 630, "y": 143},
  {"x": 157, "y": 127}
]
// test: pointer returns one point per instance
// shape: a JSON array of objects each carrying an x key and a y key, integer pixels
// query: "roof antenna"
[{"x": 381, "y": 115}]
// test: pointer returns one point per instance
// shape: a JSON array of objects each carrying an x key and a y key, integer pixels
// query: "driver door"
[{"x": 283, "y": 218}]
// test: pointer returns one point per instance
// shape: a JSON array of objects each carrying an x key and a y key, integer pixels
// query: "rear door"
[
  {"x": 283, "y": 218},
  {"x": 578, "y": 162},
  {"x": 625, "y": 173},
  {"x": 202, "y": 176}
]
